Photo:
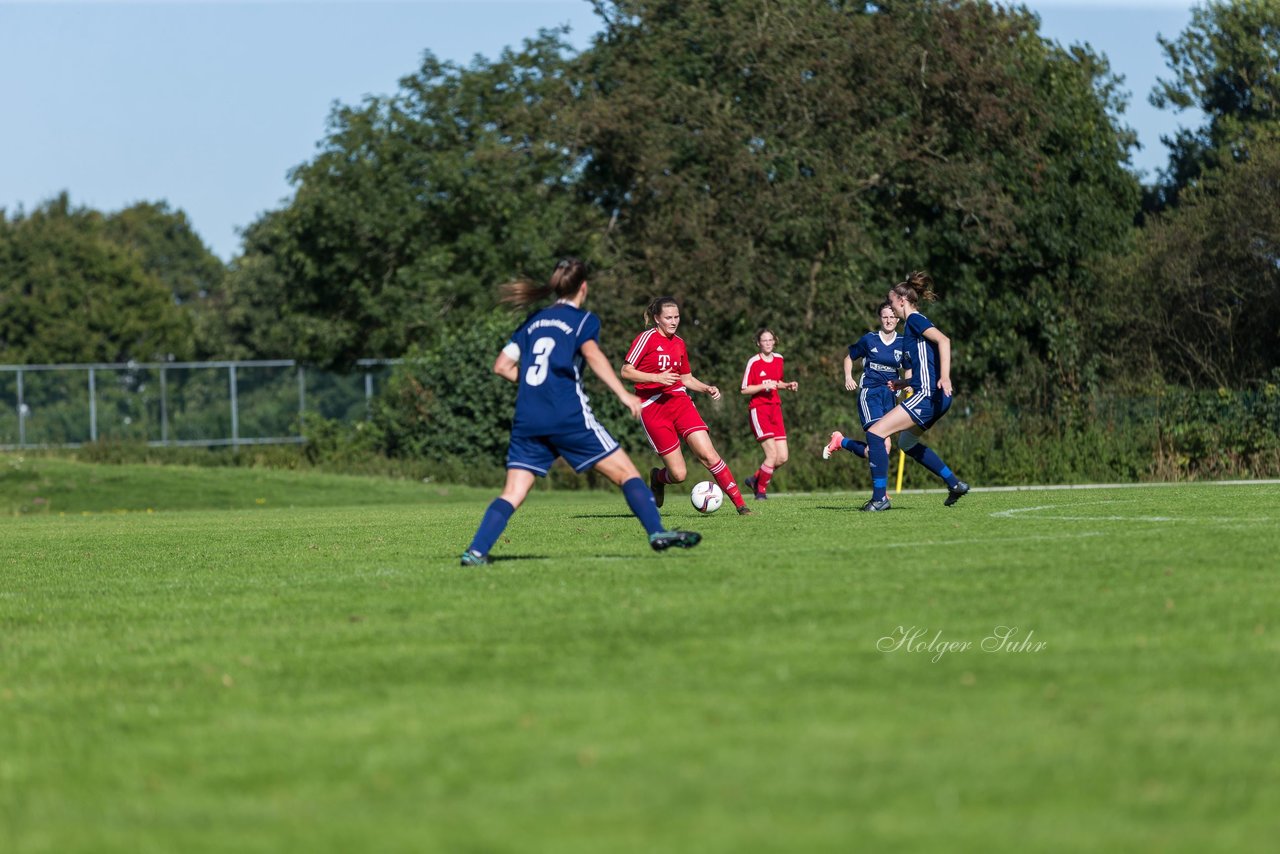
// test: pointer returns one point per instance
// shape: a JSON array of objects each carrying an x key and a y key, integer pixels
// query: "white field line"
[
  {"x": 1050, "y": 487},
  {"x": 1010, "y": 514},
  {"x": 1221, "y": 520},
  {"x": 1047, "y": 488},
  {"x": 1021, "y": 513}
]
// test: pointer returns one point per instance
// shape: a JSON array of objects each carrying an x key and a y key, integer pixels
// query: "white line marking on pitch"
[
  {"x": 1012, "y": 513},
  {"x": 1048, "y": 487},
  {"x": 1009, "y": 514},
  {"x": 1159, "y": 483}
]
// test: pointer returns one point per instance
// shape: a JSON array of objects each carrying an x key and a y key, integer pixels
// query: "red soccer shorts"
[
  {"x": 766, "y": 423},
  {"x": 668, "y": 418}
]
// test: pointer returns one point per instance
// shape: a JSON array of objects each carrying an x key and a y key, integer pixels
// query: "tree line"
[{"x": 775, "y": 162}]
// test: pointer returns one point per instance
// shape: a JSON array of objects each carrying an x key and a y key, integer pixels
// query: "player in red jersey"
[
  {"x": 658, "y": 364},
  {"x": 761, "y": 380}
]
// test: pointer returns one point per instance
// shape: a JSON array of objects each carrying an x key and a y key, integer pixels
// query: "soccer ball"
[{"x": 706, "y": 497}]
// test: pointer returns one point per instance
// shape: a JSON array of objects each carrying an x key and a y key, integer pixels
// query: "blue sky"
[{"x": 208, "y": 105}]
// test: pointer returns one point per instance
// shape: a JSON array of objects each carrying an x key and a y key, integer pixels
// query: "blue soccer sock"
[
  {"x": 879, "y": 457},
  {"x": 640, "y": 500},
  {"x": 492, "y": 525},
  {"x": 854, "y": 446},
  {"x": 925, "y": 456}
]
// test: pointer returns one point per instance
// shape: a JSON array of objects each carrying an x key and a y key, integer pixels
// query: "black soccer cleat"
[
  {"x": 663, "y": 540},
  {"x": 472, "y": 557},
  {"x": 750, "y": 484},
  {"x": 955, "y": 493},
  {"x": 658, "y": 488},
  {"x": 744, "y": 510},
  {"x": 874, "y": 506}
]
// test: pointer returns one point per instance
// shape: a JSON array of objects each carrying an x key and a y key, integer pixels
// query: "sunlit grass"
[{"x": 324, "y": 677}]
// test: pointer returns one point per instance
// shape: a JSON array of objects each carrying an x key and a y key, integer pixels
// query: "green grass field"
[{"x": 272, "y": 661}]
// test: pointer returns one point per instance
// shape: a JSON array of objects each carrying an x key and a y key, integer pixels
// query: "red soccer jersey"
[
  {"x": 652, "y": 352},
  {"x": 758, "y": 370}
]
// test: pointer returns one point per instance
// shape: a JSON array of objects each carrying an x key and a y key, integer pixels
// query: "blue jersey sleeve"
[
  {"x": 589, "y": 329},
  {"x": 917, "y": 324},
  {"x": 859, "y": 350}
]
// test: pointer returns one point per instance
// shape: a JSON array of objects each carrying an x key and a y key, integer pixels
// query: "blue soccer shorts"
[
  {"x": 874, "y": 403},
  {"x": 580, "y": 448},
  {"x": 926, "y": 409}
]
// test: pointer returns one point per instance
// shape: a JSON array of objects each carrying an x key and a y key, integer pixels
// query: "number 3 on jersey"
[{"x": 537, "y": 372}]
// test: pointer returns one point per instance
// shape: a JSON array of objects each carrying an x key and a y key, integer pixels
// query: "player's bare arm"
[
  {"x": 850, "y": 384},
  {"x": 694, "y": 384},
  {"x": 632, "y": 375},
  {"x": 507, "y": 368},
  {"x": 599, "y": 365},
  {"x": 767, "y": 385}
]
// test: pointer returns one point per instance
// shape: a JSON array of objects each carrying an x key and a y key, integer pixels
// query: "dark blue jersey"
[
  {"x": 548, "y": 347},
  {"x": 882, "y": 360},
  {"x": 921, "y": 354}
]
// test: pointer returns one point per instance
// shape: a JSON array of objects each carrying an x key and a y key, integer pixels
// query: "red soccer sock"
[
  {"x": 664, "y": 476},
  {"x": 724, "y": 477},
  {"x": 762, "y": 478}
]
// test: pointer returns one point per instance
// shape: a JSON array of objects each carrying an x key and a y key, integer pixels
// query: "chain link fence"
[{"x": 233, "y": 403}]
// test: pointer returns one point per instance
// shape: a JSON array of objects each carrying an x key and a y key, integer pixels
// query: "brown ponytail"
[
  {"x": 918, "y": 286},
  {"x": 655, "y": 308},
  {"x": 565, "y": 281}
]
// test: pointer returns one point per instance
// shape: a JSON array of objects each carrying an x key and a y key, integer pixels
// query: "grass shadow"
[{"x": 857, "y": 508}]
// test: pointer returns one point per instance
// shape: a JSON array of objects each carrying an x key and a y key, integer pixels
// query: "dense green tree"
[
  {"x": 761, "y": 159},
  {"x": 69, "y": 292},
  {"x": 1227, "y": 64},
  {"x": 416, "y": 207},
  {"x": 1201, "y": 292},
  {"x": 788, "y": 160},
  {"x": 171, "y": 251}
]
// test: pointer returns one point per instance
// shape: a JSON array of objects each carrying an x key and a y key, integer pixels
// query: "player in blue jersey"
[
  {"x": 928, "y": 352},
  {"x": 882, "y": 354},
  {"x": 553, "y": 417}
]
